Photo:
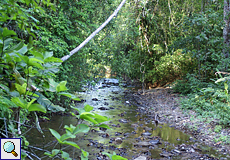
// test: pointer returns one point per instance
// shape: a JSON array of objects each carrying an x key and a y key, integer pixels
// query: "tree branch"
[{"x": 94, "y": 33}]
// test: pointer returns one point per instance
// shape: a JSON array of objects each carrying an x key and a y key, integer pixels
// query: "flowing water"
[{"x": 126, "y": 123}]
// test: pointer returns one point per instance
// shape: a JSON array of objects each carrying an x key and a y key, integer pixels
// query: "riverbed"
[{"x": 134, "y": 132}]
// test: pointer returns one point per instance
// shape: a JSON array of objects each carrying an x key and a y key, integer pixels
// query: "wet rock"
[
  {"x": 118, "y": 140},
  {"x": 123, "y": 120},
  {"x": 134, "y": 125},
  {"x": 95, "y": 99},
  {"x": 126, "y": 134},
  {"x": 140, "y": 158},
  {"x": 155, "y": 142},
  {"x": 118, "y": 133},
  {"x": 146, "y": 134},
  {"x": 105, "y": 135},
  {"x": 113, "y": 82},
  {"x": 145, "y": 144},
  {"x": 148, "y": 129},
  {"x": 121, "y": 115},
  {"x": 106, "y": 103},
  {"x": 166, "y": 154},
  {"x": 111, "y": 107},
  {"x": 103, "y": 108}
]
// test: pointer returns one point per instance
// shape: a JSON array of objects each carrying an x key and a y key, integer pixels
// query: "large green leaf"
[
  {"x": 42, "y": 100},
  {"x": 19, "y": 102},
  {"x": 70, "y": 96},
  {"x": 81, "y": 128},
  {"x": 88, "y": 108},
  {"x": 100, "y": 118},
  {"x": 53, "y": 59},
  {"x": 29, "y": 104},
  {"x": 55, "y": 134},
  {"x": 52, "y": 85},
  {"x": 7, "y": 43},
  {"x": 71, "y": 144},
  {"x": 84, "y": 155},
  {"x": 21, "y": 88},
  {"x": 61, "y": 86},
  {"x": 116, "y": 157},
  {"x": 37, "y": 107},
  {"x": 87, "y": 118},
  {"x": 7, "y": 32},
  {"x": 67, "y": 135}
]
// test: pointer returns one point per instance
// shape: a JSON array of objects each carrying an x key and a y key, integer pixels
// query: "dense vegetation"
[{"x": 155, "y": 42}]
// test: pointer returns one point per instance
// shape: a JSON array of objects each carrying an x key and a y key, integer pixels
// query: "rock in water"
[
  {"x": 140, "y": 158},
  {"x": 146, "y": 134},
  {"x": 118, "y": 140}
]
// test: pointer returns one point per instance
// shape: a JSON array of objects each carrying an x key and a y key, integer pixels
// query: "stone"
[
  {"x": 118, "y": 140},
  {"x": 140, "y": 158},
  {"x": 146, "y": 134}
]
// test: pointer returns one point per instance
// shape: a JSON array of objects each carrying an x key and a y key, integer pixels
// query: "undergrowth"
[{"x": 210, "y": 100}]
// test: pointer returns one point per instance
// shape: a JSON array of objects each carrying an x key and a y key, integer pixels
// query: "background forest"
[{"x": 179, "y": 43}]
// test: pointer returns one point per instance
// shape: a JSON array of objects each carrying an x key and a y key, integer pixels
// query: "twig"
[{"x": 5, "y": 127}]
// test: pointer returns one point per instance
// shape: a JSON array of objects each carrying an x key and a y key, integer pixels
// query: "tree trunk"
[
  {"x": 94, "y": 33},
  {"x": 226, "y": 32},
  {"x": 226, "y": 28}
]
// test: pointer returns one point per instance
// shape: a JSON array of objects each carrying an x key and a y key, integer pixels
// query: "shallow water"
[{"x": 114, "y": 97}]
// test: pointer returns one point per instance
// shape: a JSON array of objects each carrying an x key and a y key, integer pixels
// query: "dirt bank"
[{"x": 163, "y": 106}]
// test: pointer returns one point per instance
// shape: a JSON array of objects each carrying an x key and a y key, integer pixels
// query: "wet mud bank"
[{"x": 163, "y": 107}]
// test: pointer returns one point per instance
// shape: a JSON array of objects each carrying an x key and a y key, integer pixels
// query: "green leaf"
[
  {"x": 24, "y": 58},
  {"x": 70, "y": 96},
  {"x": 65, "y": 155},
  {"x": 70, "y": 128},
  {"x": 87, "y": 118},
  {"x": 15, "y": 47},
  {"x": 7, "y": 32},
  {"x": 61, "y": 86},
  {"x": 67, "y": 136},
  {"x": 81, "y": 128},
  {"x": 23, "y": 50},
  {"x": 84, "y": 155},
  {"x": 53, "y": 59},
  {"x": 55, "y": 152},
  {"x": 88, "y": 108},
  {"x": 19, "y": 102},
  {"x": 21, "y": 88},
  {"x": 104, "y": 126},
  {"x": 100, "y": 118},
  {"x": 37, "y": 107},
  {"x": 71, "y": 144},
  {"x": 52, "y": 85},
  {"x": 55, "y": 134},
  {"x": 116, "y": 157},
  {"x": 108, "y": 154},
  {"x": 29, "y": 104},
  {"x": 7, "y": 43}
]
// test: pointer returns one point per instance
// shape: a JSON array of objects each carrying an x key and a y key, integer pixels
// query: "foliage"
[
  {"x": 189, "y": 84},
  {"x": 212, "y": 101}
]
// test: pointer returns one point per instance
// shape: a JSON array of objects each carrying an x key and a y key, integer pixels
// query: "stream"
[{"x": 134, "y": 135}]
